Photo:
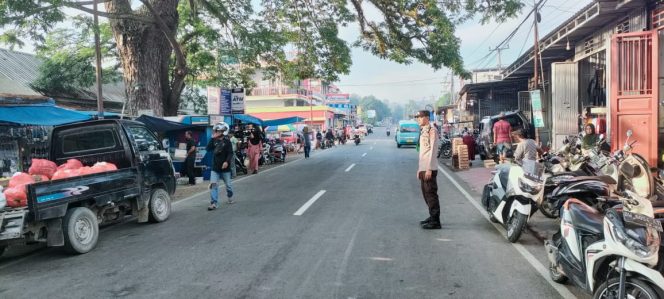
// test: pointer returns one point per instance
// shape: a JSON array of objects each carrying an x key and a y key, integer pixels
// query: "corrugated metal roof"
[{"x": 18, "y": 70}]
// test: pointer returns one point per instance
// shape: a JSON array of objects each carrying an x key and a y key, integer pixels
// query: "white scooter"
[
  {"x": 612, "y": 255},
  {"x": 511, "y": 196}
]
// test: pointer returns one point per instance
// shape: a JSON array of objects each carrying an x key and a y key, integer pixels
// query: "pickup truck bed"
[{"x": 50, "y": 200}]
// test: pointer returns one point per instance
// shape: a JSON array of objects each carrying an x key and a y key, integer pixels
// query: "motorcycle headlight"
[
  {"x": 642, "y": 241},
  {"x": 529, "y": 186}
]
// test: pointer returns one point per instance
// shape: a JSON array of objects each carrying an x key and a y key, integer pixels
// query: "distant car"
[
  {"x": 407, "y": 133},
  {"x": 486, "y": 148}
]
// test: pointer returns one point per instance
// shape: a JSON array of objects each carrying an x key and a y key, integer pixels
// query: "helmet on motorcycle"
[{"x": 221, "y": 127}]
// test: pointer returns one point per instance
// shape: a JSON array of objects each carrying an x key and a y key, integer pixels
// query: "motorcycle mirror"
[{"x": 601, "y": 136}]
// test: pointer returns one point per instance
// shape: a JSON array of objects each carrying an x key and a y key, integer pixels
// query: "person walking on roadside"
[
  {"x": 255, "y": 149},
  {"x": 190, "y": 161},
  {"x": 428, "y": 169},
  {"x": 306, "y": 140},
  {"x": 234, "y": 142},
  {"x": 319, "y": 139},
  {"x": 501, "y": 136},
  {"x": 220, "y": 146}
]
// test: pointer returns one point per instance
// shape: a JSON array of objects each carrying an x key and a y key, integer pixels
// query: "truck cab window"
[
  {"x": 143, "y": 139},
  {"x": 88, "y": 141}
]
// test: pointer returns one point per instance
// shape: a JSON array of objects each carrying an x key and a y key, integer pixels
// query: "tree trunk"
[{"x": 145, "y": 54}]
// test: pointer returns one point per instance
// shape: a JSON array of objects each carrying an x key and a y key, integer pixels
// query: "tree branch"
[
  {"x": 127, "y": 16},
  {"x": 180, "y": 59}
]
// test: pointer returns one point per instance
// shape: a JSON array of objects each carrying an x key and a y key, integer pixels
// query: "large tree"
[{"x": 296, "y": 39}]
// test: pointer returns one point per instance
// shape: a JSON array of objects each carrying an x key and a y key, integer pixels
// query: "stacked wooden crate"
[{"x": 462, "y": 156}]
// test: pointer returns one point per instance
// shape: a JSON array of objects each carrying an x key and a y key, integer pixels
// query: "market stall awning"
[
  {"x": 283, "y": 121},
  {"x": 248, "y": 119},
  {"x": 161, "y": 125},
  {"x": 40, "y": 115}
]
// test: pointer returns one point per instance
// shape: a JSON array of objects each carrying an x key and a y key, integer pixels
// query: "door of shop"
[{"x": 634, "y": 91}]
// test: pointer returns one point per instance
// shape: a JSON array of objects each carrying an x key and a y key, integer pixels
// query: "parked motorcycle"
[
  {"x": 388, "y": 133},
  {"x": 511, "y": 196},
  {"x": 277, "y": 151},
  {"x": 612, "y": 255},
  {"x": 239, "y": 162},
  {"x": 445, "y": 150},
  {"x": 357, "y": 139}
]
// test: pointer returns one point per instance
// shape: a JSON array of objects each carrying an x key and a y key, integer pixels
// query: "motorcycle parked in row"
[
  {"x": 603, "y": 174},
  {"x": 511, "y": 196},
  {"x": 277, "y": 151},
  {"x": 445, "y": 150},
  {"x": 239, "y": 162},
  {"x": 611, "y": 255}
]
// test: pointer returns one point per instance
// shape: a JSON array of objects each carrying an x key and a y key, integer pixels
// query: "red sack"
[
  {"x": 71, "y": 164},
  {"x": 40, "y": 178},
  {"x": 16, "y": 197},
  {"x": 104, "y": 166},
  {"x": 85, "y": 170},
  {"x": 20, "y": 179},
  {"x": 66, "y": 173},
  {"x": 42, "y": 167}
]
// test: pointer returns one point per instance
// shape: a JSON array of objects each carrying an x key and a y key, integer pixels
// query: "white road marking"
[
  {"x": 349, "y": 249},
  {"x": 443, "y": 240},
  {"x": 381, "y": 259},
  {"x": 371, "y": 148},
  {"x": 308, "y": 204},
  {"x": 350, "y": 167},
  {"x": 543, "y": 271},
  {"x": 364, "y": 154}
]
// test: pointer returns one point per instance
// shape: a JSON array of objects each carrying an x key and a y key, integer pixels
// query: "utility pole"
[
  {"x": 500, "y": 49},
  {"x": 100, "y": 97},
  {"x": 536, "y": 60}
]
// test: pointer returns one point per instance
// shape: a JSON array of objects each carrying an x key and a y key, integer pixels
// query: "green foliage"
[
  {"x": 444, "y": 100},
  {"x": 224, "y": 41},
  {"x": 69, "y": 57},
  {"x": 64, "y": 73},
  {"x": 371, "y": 103}
]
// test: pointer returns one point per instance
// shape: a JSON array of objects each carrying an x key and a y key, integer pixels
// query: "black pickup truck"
[{"x": 68, "y": 212}]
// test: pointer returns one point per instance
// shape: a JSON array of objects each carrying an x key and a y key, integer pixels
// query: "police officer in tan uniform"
[{"x": 428, "y": 169}]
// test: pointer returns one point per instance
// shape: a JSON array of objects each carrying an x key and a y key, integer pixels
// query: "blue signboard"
[{"x": 226, "y": 101}]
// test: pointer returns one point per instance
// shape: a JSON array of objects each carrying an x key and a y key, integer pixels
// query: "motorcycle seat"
[{"x": 586, "y": 218}]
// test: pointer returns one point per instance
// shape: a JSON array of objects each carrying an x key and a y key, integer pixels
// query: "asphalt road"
[{"x": 360, "y": 238}]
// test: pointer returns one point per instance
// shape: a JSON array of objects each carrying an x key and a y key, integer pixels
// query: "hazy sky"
[{"x": 399, "y": 83}]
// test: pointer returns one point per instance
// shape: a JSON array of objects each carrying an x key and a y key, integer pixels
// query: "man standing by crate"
[{"x": 428, "y": 169}]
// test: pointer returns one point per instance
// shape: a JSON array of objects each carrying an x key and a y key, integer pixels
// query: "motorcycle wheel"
[
  {"x": 447, "y": 151},
  {"x": 634, "y": 288},
  {"x": 555, "y": 275},
  {"x": 547, "y": 212},
  {"x": 515, "y": 226}
]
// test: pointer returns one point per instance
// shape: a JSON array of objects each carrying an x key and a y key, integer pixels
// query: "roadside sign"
[
  {"x": 536, "y": 104},
  {"x": 237, "y": 102},
  {"x": 214, "y": 100},
  {"x": 226, "y": 102}
]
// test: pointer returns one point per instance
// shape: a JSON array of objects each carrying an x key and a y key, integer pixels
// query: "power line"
[{"x": 392, "y": 82}]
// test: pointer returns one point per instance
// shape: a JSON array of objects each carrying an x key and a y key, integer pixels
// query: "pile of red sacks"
[{"x": 44, "y": 170}]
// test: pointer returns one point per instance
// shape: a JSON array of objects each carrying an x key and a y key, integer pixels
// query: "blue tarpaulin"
[
  {"x": 282, "y": 121},
  {"x": 248, "y": 119},
  {"x": 45, "y": 114}
]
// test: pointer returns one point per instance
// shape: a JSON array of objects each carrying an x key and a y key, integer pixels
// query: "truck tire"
[
  {"x": 81, "y": 230},
  {"x": 160, "y": 206}
]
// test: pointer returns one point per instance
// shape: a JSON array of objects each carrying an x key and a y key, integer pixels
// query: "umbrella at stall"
[{"x": 280, "y": 128}]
